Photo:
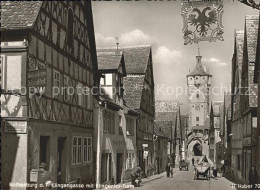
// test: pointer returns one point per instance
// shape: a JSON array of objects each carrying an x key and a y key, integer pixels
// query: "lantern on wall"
[{"x": 202, "y": 20}]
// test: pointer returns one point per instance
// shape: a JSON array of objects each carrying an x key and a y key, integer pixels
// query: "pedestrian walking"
[
  {"x": 193, "y": 160},
  {"x": 136, "y": 175},
  {"x": 168, "y": 169},
  {"x": 253, "y": 178}
]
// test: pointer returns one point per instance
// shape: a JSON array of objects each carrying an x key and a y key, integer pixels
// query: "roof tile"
[{"x": 19, "y": 14}]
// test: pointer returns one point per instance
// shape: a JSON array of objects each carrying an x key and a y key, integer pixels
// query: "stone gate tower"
[{"x": 199, "y": 82}]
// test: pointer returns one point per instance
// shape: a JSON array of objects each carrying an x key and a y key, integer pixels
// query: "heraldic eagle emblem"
[{"x": 203, "y": 20}]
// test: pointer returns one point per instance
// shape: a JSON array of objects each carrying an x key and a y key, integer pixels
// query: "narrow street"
[{"x": 183, "y": 180}]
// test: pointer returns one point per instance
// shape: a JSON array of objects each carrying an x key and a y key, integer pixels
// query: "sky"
[{"x": 159, "y": 24}]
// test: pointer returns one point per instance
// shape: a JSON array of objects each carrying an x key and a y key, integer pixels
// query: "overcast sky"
[{"x": 160, "y": 25}]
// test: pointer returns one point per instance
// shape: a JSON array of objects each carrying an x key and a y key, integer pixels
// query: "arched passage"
[{"x": 197, "y": 149}]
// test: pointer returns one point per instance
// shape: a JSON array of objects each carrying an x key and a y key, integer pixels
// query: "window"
[
  {"x": 45, "y": 149},
  {"x": 120, "y": 125},
  {"x": 56, "y": 84},
  {"x": 197, "y": 95},
  {"x": 76, "y": 150},
  {"x": 80, "y": 94},
  {"x": 107, "y": 80},
  {"x": 87, "y": 149},
  {"x": 197, "y": 118},
  {"x": 130, "y": 159},
  {"x": 129, "y": 126},
  {"x": 65, "y": 89},
  {"x": 238, "y": 162},
  {"x": 159, "y": 144},
  {"x": 108, "y": 122},
  {"x": 70, "y": 39}
]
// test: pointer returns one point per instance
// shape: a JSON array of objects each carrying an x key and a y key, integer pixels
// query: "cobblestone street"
[{"x": 183, "y": 180}]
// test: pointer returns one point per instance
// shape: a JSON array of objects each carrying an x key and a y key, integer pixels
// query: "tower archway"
[{"x": 197, "y": 149}]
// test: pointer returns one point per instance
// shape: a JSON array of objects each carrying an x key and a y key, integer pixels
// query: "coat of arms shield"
[{"x": 202, "y": 20}]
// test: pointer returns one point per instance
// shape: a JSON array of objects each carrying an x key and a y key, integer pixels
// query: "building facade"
[
  {"x": 160, "y": 149},
  {"x": 256, "y": 80},
  {"x": 47, "y": 49},
  {"x": 249, "y": 95},
  {"x": 199, "y": 82},
  {"x": 216, "y": 124},
  {"x": 139, "y": 95},
  {"x": 169, "y": 121},
  {"x": 244, "y": 101},
  {"x": 236, "y": 125}
]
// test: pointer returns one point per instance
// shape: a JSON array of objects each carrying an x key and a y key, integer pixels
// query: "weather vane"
[
  {"x": 202, "y": 20},
  {"x": 117, "y": 43}
]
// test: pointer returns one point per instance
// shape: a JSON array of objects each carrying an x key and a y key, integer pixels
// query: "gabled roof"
[
  {"x": 110, "y": 60},
  {"x": 19, "y": 14},
  {"x": 257, "y": 60},
  {"x": 133, "y": 86},
  {"x": 198, "y": 70},
  {"x": 158, "y": 131},
  {"x": 251, "y": 28},
  {"x": 165, "y": 127},
  {"x": 239, "y": 36},
  {"x": 136, "y": 58},
  {"x": 166, "y": 116}
]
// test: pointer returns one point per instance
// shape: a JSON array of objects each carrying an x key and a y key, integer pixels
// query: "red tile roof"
[{"x": 19, "y": 14}]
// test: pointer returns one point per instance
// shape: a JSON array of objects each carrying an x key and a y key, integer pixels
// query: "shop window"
[{"x": 44, "y": 149}]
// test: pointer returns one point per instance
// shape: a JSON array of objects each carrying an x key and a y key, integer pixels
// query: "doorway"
[
  {"x": 61, "y": 158},
  {"x": 119, "y": 167}
]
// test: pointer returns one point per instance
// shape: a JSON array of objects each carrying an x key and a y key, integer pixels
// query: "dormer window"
[{"x": 70, "y": 29}]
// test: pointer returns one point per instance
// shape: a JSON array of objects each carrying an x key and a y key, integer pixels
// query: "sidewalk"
[{"x": 127, "y": 185}]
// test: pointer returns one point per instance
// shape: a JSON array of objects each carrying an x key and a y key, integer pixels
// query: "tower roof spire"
[{"x": 199, "y": 69}]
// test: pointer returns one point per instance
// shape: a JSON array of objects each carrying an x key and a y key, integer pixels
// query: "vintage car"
[{"x": 183, "y": 164}]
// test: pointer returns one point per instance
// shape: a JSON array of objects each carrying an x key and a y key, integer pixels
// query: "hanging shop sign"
[{"x": 202, "y": 21}]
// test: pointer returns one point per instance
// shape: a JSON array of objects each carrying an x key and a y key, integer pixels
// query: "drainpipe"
[{"x": 99, "y": 144}]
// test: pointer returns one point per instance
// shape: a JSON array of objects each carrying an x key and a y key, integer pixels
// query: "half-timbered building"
[
  {"x": 115, "y": 129},
  {"x": 48, "y": 65},
  {"x": 139, "y": 95}
]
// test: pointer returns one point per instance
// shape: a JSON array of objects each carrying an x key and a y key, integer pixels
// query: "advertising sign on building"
[{"x": 16, "y": 127}]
